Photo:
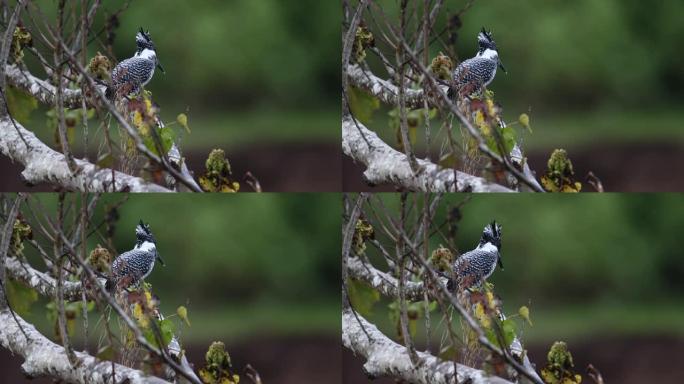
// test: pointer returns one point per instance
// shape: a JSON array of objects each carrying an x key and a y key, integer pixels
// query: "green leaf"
[
  {"x": 106, "y": 353},
  {"x": 20, "y": 104},
  {"x": 508, "y": 327},
  {"x": 20, "y": 297},
  {"x": 166, "y": 136},
  {"x": 508, "y": 138},
  {"x": 362, "y": 104},
  {"x": 362, "y": 296},
  {"x": 105, "y": 161},
  {"x": 167, "y": 328}
]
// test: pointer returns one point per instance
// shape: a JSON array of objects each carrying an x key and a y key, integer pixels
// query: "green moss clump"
[
  {"x": 20, "y": 232},
  {"x": 218, "y": 368},
  {"x": 442, "y": 66},
  {"x": 363, "y": 39},
  {"x": 218, "y": 176},
  {"x": 100, "y": 259},
  {"x": 560, "y": 175},
  {"x": 20, "y": 39},
  {"x": 362, "y": 232},
  {"x": 559, "y": 367},
  {"x": 442, "y": 258},
  {"x": 100, "y": 66}
]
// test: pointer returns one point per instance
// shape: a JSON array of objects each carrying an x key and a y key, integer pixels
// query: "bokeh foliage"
[
  {"x": 588, "y": 249},
  {"x": 571, "y": 55},
  {"x": 251, "y": 256},
  {"x": 583, "y": 70}
]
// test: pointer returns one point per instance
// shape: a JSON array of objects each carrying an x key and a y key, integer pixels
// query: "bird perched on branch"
[
  {"x": 477, "y": 72},
  {"x": 133, "y": 266},
  {"x": 473, "y": 267},
  {"x": 130, "y": 75}
]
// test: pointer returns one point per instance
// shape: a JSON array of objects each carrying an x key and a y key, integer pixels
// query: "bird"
[
  {"x": 130, "y": 75},
  {"x": 473, "y": 74},
  {"x": 472, "y": 268},
  {"x": 131, "y": 267}
]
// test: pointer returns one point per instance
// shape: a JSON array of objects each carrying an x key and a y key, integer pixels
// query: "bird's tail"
[
  {"x": 110, "y": 284},
  {"x": 109, "y": 93}
]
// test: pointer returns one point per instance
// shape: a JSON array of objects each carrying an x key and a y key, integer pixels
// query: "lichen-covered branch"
[
  {"x": 384, "y": 283},
  {"x": 384, "y": 357},
  {"x": 41, "y": 89},
  {"x": 41, "y": 282},
  {"x": 385, "y": 91},
  {"x": 42, "y": 357},
  {"x": 43, "y": 164},
  {"x": 388, "y": 285},
  {"x": 387, "y": 165}
]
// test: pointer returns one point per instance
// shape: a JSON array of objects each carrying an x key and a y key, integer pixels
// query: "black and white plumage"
[
  {"x": 130, "y": 75},
  {"x": 477, "y": 72},
  {"x": 472, "y": 268},
  {"x": 135, "y": 265}
]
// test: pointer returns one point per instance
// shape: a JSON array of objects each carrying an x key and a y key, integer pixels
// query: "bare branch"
[
  {"x": 43, "y": 164},
  {"x": 384, "y": 90},
  {"x": 383, "y": 282},
  {"x": 43, "y": 283},
  {"x": 387, "y": 165},
  {"x": 45, "y": 358},
  {"x": 384, "y": 357}
]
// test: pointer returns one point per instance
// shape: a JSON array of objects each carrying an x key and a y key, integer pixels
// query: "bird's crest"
[
  {"x": 492, "y": 234},
  {"x": 485, "y": 40},
  {"x": 143, "y": 232},
  {"x": 143, "y": 40}
]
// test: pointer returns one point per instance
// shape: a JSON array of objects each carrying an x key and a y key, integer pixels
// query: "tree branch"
[
  {"x": 387, "y": 358},
  {"x": 387, "y": 285},
  {"x": 45, "y": 358},
  {"x": 43, "y": 164},
  {"x": 384, "y": 283},
  {"x": 40, "y": 281},
  {"x": 387, "y": 165},
  {"x": 41, "y": 89},
  {"x": 384, "y": 90}
]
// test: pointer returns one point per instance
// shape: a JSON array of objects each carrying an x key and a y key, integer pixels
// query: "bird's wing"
[
  {"x": 473, "y": 70},
  {"x": 130, "y": 263},
  {"x": 134, "y": 70},
  {"x": 471, "y": 267}
]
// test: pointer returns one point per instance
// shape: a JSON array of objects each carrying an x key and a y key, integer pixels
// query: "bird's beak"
[
  {"x": 162, "y": 261},
  {"x": 500, "y": 263},
  {"x": 502, "y": 66},
  {"x": 163, "y": 71}
]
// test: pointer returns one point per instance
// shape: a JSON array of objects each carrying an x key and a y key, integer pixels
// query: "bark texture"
[
  {"x": 387, "y": 165},
  {"x": 45, "y": 165},
  {"x": 384, "y": 357},
  {"x": 45, "y": 358}
]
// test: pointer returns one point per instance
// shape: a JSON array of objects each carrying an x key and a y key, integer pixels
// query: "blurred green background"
[
  {"x": 602, "y": 272},
  {"x": 259, "y": 79},
  {"x": 602, "y": 79},
  {"x": 260, "y": 272},
  {"x": 268, "y": 258}
]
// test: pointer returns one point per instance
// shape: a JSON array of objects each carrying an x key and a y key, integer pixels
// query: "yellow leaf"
[
  {"x": 183, "y": 314},
  {"x": 491, "y": 302},
  {"x": 139, "y": 316},
  {"x": 524, "y": 120},
  {"x": 525, "y": 314},
  {"x": 183, "y": 121},
  {"x": 482, "y": 316}
]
